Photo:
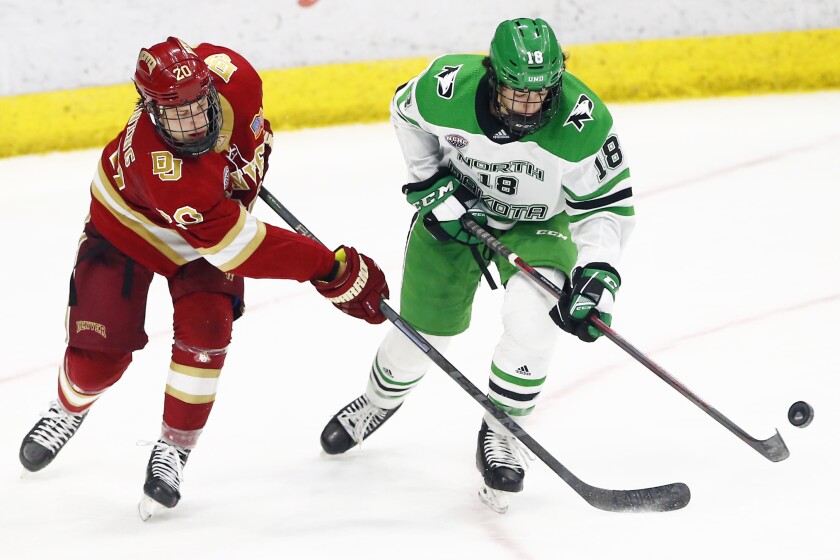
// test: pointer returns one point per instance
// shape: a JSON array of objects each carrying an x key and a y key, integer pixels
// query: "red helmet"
[{"x": 170, "y": 74}]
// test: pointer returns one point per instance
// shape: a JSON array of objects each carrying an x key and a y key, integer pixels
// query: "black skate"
[
  {"x": 353, "y": 424},
  {"x": 49, "y": 435},
  {"x": 163, "y": 478},
  {"x": 502, "y": 462}
]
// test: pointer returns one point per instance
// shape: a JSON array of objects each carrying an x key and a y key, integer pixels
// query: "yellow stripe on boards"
[
  {"x": 710, "y": 66},
  {"x": 360, "y": 92},
  {"x": 335, "y": 94},
  {"x": 64, "y": 120}
]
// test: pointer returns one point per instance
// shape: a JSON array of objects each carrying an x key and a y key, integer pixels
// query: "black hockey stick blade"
[
  {"x": 772, "y": 448},
  {"x": 659, "y": 499},
  {"x": 669, "y": 497}
]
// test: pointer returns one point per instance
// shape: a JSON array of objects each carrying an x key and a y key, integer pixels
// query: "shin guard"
[
  {"x": 398, "y": 367},
  {"x": 203, "y": 324},
  {"x": 523, "y": 354}
]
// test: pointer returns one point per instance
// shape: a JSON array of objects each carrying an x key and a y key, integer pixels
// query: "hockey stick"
[
  {"x": 661, "y": 498},
  {"x": 773, "y": 448}
]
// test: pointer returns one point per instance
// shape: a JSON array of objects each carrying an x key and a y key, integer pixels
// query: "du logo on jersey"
[
  {"x": 581, "y": 113},
  {"x": 446, "y": 81}
]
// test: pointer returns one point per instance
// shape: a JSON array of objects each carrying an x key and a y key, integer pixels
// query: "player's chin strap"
[{"x": 772, "y": 448}]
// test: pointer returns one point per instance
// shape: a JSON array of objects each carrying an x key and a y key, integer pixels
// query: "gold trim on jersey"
[
  {"x": 190, "y": 371},
  {"x": 169, "y": 243},
  {"x": 223, "y": 143},
  {"x": 192, "y": 385},
  {"x": 240, "y": 242},
  {"x": 245, "y": 250},
  {"x": 72, "y": 393},
  {"x": 231, "y": 236},
  {"x": 237, "y": 245},
  {"x": 189, "y": 399}
]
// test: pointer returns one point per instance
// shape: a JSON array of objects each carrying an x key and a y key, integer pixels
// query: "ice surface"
[{"x": 730, "y": 282}]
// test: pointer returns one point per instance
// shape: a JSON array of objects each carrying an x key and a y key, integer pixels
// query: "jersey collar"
[{"x": 490, "y": 125}]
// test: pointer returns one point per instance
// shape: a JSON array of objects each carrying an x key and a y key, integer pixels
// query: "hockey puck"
[{"x": 800, "y": 414}]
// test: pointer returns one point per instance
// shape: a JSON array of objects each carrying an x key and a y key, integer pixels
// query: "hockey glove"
[
  {"x": 358, "y": 290},
  {"x": 441, "y": 200},
  {"x": 592, "y": 293}
]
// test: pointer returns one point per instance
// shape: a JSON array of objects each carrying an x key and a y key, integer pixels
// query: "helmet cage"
[
  {"x": 525, "y": 58},
  {"x": 170, "y": 77},
  {"x": 192, "y": 132},
  {"x": 521, "y": 124}
]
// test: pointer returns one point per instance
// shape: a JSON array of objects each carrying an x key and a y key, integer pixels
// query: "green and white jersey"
[{"x": 574, "y": 164}]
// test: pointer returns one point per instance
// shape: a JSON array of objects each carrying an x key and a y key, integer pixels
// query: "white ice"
[{"x": 731, "y": 282}]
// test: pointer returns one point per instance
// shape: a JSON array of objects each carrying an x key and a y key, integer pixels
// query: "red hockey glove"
[{"x": 356, "y": 292}]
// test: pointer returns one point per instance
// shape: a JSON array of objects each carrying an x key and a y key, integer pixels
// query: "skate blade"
[
  {"x": 148, "y": 508},
  {"x": 494, "y": 499}
]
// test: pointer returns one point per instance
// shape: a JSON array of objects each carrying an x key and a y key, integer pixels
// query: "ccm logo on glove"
[
  {"x": 591, "y": 292},
  {"x": 440, "y": 201}
]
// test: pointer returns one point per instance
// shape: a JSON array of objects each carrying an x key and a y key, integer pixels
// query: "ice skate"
[
  {"x": 502, "y": 460},
  {"x": 49, "y": 435},
  {"x": 353, "y": 424},
  {"x": 164, "y": 474},
  {"x": 148, "y": 508},
  {"x": 494, "y": 499}
]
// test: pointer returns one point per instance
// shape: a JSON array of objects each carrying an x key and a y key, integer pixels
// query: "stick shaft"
[
  {"x": 661, "y": 498},
  {"x": 773, "y": 448}
]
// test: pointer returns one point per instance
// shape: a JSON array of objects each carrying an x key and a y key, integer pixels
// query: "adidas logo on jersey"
[
  {"x": 523, "y": 370},
  {"x": 501, "y": 135}
]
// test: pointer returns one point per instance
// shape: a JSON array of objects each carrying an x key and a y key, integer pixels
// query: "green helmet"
[{"x": 526, "y": 57}]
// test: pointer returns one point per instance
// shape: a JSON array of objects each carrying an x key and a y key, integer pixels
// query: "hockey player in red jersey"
[{"x": 171, "y": 196}]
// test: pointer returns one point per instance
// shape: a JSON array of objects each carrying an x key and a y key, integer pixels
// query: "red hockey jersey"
[{"x": 165, "y": 210}]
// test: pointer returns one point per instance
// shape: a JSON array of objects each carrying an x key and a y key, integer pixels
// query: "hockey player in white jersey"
[{"x": 527, "y": 149}]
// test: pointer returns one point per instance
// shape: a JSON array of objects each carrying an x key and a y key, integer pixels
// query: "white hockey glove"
[{"x": 440, "y": 201}]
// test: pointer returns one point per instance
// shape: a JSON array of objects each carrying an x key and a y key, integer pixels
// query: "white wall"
[{"x": 62, "y": 44}]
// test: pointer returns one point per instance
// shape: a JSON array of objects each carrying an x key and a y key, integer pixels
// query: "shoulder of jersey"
[
  {"x": 581, "y": 124},
  {"x": 230, "y": 68},
  {"x": 451, "y": 78}
]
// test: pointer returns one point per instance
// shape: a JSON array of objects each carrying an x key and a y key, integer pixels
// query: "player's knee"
[
  {"x": 401, "y": 353},
  {"x": 204, "y": 320},
  {"x": 93, "y": 371},
  {"x": 525, "y": 311}
]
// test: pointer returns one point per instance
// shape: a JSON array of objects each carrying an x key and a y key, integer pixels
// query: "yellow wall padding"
[
  {"x": 360, "y": 92},
  {"x": 710, "y": 66},
  {"x": 335, "y": 94}
]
